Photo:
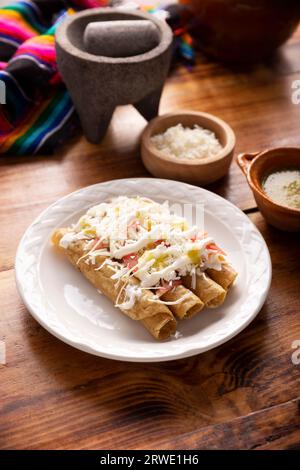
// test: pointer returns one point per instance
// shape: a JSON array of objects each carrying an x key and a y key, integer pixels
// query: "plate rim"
[{"x": 173, "y": 355}]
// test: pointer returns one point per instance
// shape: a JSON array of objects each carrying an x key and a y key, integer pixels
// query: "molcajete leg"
[
  {"x": 95, "y": 124},
  {"x": 148, "y": 106}
]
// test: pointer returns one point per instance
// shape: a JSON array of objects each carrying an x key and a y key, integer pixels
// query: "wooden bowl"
[
  {"x": 202, "y": 171},
  {"x": 256, "y": 166}
]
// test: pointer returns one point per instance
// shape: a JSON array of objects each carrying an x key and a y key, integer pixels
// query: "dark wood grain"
[
  {"x": 49, "y": 389},
  {"x": 243, "y": 394},
  {"x": 275, "y": 428}
]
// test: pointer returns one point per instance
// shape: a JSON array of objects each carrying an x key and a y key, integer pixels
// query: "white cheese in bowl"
[{"x": 187, "y": 143}]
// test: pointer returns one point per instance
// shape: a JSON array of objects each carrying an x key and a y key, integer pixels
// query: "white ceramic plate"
[{"x": 64, "y": 302}]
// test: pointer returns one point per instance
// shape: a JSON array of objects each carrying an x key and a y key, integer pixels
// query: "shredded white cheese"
[
  {"x": 187, "y": 143},
  {"x": 131, "y": 294},
  {"x": 138, "y": 237}
]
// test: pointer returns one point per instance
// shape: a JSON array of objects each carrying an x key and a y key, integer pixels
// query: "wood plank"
[
  {"x": 275, "y": 428},
  {"x": 73, "y": 400}
]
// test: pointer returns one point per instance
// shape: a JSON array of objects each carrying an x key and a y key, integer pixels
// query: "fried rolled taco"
[
  {"x": 211, "y": 293},
  {"x": 189, "y": 305},
  {"x": 225, "y": 276},
  {"x": 148, "y": 261},
  {"x": 156, "y": 317}
]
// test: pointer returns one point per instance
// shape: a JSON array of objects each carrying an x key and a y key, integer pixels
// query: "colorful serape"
[{"x": 36, "y": 112}]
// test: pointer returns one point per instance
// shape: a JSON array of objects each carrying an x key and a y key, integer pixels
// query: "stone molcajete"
[{"x": 98, "y": 84}]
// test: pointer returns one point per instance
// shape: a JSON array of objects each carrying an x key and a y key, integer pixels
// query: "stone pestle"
[{"x": 120, "y": 38}]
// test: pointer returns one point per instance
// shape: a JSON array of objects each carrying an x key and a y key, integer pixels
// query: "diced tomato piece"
[
  {"x": 130, "y": 260},
  {"x": 159, "y": 242},
  {"x": 211, "y": 246},
  {"x": 214, "y": 247},
  {"x": 168, "y": 285},
  {"x": 103, "y": 244}
]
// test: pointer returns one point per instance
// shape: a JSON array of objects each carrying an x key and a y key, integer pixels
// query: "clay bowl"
[
  {"x": 201, "y": 172},
  {"x": 241, "y": 31},
  {"x": 256, "y": 166}
]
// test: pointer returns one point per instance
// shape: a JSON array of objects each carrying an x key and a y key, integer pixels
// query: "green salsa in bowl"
[
  {"x": 274, "y": 177},
  {"x": 283, "y": 187}
]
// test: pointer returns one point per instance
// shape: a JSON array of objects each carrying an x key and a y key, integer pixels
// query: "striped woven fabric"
[
  {"x": 18, "y": 23},
  {"x": 36, "y": 112}
]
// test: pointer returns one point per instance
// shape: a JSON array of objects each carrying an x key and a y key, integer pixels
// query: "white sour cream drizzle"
[{"x": 138, "y": 237}]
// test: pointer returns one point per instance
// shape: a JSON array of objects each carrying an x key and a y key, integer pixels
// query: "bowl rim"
[
  {"x": 258, "y": 188},
  {"x": 63, "y": 41},
  {"x": 226, "y": 150}
]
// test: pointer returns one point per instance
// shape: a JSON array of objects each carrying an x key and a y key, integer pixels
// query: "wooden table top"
[{"x": 243, "y": 394}]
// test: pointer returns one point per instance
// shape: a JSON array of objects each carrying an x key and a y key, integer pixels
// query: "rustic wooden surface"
[{"x": 244, "y": 394}]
